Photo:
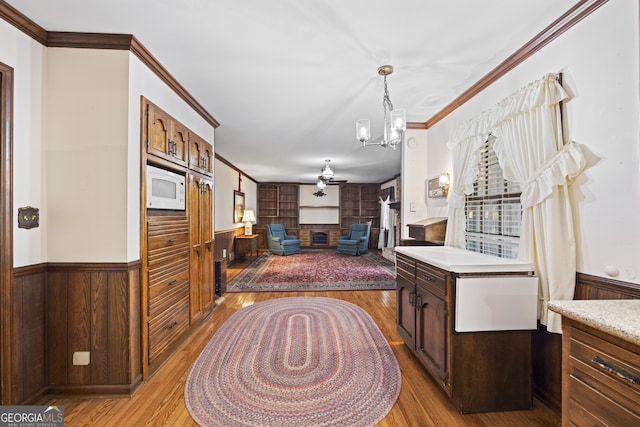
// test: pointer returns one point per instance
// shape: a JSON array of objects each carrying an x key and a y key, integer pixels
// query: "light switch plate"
[{"x": 81, "y": 358}]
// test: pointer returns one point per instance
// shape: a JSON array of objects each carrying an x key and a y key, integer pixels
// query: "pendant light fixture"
[{"x": 395, "y": 122}]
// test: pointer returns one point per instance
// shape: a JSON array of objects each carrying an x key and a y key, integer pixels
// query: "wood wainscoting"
[
  {"x": 60, "y": 309},
  {"x": 547, "y": 347},
  {"x": 225, "y": 241}
]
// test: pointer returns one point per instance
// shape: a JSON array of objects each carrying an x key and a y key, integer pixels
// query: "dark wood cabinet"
[
  {"x": 422, "y": 313},
  {"x": 479, "y": 371},
  {"x": 600, "y": 379}
]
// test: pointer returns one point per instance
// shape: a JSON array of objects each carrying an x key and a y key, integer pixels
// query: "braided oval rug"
[{"x": 298, "y": 361}]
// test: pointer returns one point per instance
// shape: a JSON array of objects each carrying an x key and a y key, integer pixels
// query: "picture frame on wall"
[{"x": 238, "y": 206}]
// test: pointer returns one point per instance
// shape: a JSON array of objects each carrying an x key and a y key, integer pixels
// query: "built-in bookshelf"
[
  {"x": 283, "y": 204},
  {"x": 358, "y": 205}
]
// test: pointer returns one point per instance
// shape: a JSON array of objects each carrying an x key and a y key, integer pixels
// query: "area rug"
[
  {"x": 322, "y": 270},
  {"x": 300, "y": 361}
]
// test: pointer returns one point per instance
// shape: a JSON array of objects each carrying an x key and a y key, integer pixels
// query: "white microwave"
[{"x": 165, "y": 189}]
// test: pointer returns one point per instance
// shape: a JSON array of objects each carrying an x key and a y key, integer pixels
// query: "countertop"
[
  {"x": 462, "y": 261},
  {"x": 620, "y": 318}
]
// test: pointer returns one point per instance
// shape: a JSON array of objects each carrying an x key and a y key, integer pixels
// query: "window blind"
[{"x": 493, "y": 212}]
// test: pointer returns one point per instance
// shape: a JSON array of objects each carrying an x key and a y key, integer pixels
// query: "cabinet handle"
[
  {"x": 171, "y": 326},
  {"x": 171, "y": 283},
  {"x": 428, "y": 278},
  {"x": 419, "y": 301},
  {"x": 412, "y": 298},
  {"x": 173, "y": 239},
  {"x": 616, "y": 370}
]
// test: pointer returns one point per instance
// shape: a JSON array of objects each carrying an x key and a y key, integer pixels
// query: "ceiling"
[{"x": 287, "y": 79}]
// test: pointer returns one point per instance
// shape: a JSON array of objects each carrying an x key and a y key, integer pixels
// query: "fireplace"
[{"x": 319, "y": 238}]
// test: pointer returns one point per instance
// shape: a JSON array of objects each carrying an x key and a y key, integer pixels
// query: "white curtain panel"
[{"x": 528, "y": 144}]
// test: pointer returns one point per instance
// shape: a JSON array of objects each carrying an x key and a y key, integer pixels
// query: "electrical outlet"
[
  {"x": 81, "y": 358},
  {"x": 412, "y": 206},
  {"x": 224, "y": 253}
]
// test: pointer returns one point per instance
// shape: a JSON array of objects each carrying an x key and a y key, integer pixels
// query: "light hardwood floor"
[{"x": 160, "y": 401}]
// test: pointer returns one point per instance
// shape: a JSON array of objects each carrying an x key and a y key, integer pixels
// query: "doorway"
[{"x": 6, "y": 230}]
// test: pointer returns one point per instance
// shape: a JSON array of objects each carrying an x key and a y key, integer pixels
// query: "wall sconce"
[
  {"x": 248, "y": 218},
  {"x": 439, "y": 187},
  {"x": 443, "y": 182}
]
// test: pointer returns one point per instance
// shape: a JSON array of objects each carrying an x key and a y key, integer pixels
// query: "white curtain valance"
[{"x": 545, "y": 91}]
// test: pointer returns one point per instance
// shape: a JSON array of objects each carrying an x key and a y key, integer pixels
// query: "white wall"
[
  {"x": 600, "y": 61},
  {"x": 27, "y": 58},
  {"x": 86, "y": 154},
  {"x": 225, "y": 181},
  {"x": 413, "y": 177}
]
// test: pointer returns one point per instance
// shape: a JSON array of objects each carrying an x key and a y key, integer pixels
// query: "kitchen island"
[{"x": 468, "y": 317}]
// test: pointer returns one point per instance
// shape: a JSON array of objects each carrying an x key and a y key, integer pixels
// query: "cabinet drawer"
[
  {"x": 159, "y": 239},
  {"x": 587, "y": 404},
  {"x": 431, "y": 278},
  {"x": 405, "y": 267},
  {"x": 166, "y": 293},
  {"x": 167, "y": 327},
  {"x": 604, "y": 368}
]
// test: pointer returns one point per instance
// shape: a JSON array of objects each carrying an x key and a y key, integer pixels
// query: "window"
[{"x": 493, "y": 212}]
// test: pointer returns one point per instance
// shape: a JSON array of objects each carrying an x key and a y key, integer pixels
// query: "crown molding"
[{"x": 577, "y": 13}]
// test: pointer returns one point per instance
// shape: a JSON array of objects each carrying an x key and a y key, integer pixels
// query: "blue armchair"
[
  {"x": 280, "y": 243},
  {"x": 356, "y": 242}
]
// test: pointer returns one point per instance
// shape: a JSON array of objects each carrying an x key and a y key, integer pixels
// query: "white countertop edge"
[
  {"x": 620, "y": 318},
  {"x": 462, "y": 261}
]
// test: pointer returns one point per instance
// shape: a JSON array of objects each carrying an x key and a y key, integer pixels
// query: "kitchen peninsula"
[{"x": 468, "y": 318}]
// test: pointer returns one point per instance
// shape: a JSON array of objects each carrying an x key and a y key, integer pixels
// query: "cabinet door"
[
  {"x": 405, "y": 311},
  {"x": 195, "y": 148},
  {"x": 431, "y": 332},
  {"x": 179, "y": 143},
  {"x": 201, "y": 286},
  {"x": 200, "y": 155},
  {"x": 158, "y": 128},
  {"x": 197, "y": 249},
  {"x": 206, "y": 226}
]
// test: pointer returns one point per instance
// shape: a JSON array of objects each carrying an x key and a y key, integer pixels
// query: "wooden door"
[
  {"x": 405, "y": 311},
  {"x": 431, "y": 331}
]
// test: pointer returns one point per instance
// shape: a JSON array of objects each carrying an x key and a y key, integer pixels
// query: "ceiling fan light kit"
[{"x": 395, "y": 121}]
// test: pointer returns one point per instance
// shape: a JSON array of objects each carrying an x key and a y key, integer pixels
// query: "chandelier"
[
  {"x": 326, "y": 175},
  {"x": 395, "y": 122}
]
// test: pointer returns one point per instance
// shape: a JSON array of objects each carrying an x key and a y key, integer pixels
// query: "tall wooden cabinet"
[
  {"x": 177, "y": 283},
  {"x": 201, "y": 245}
]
